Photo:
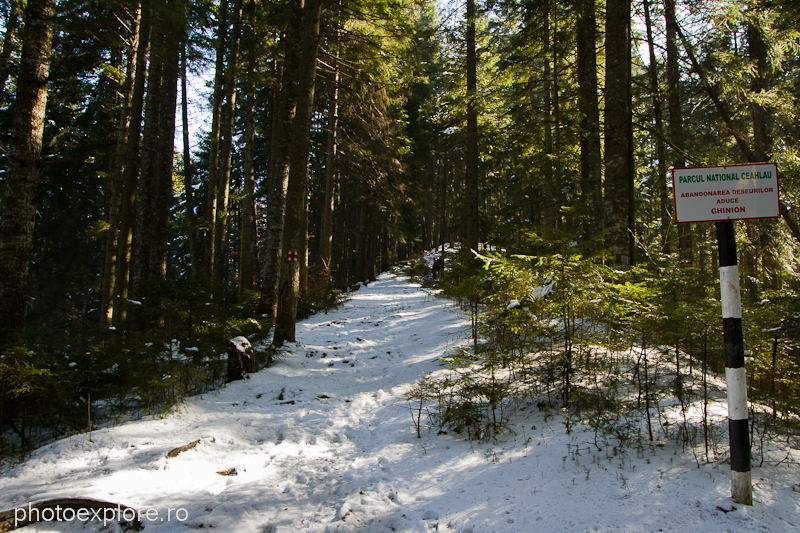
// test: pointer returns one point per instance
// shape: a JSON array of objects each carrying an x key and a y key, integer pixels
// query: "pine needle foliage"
[
  {"x": 635, "y": 354},
  {"x": 58, "y": 382}
]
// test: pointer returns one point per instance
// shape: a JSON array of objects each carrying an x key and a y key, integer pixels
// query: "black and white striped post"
[
  {"x": 738, "y": 431},
  {"x": 722, "y": 194}
]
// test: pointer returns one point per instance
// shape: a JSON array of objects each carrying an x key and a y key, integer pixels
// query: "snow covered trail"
[
  {"x": 323, "y": 442},
  {"x": 306, "y": 436}
]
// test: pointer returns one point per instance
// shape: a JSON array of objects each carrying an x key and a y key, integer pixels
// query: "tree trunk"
[
  {"x": 303, "y": 252},
  {"x": 384, "y": 245},
  {"x": 164, "y": 198},
  {"x": 618, "y": 130},
  {"x": 12, "y": 25},
  {"x": 295, "y": 229},
  {"x": 248, "y": 249},
  {"x": 188, "y": 174},
  {"x": 550, "y": 186},
  {"x": 759, "y": 55},
  {"x": 145, "y": 226},
  {"x": 427, "y": 227},
  {"x": 342, "y": 227},
  {"x": 213, "y": 142},
  {"x": 279, "y": 167},
  {"x": 372, "y": 246},
  {"x": 760, "y": 232},
  {"x": 326, "y": 230},
  {"x": 361, "y": 238},
  {"x": 115, "y": 184},
  {"x": 131, "y": 175},
  {"x": 676, "y": 117},
  {"x": 228, "y": 115},
  {"x": 558, "y": 174},
  {"x": 591, "y": 159},
  {"x": 24, "y": 160},
  {"x": 445, "y": 187},
  {"x": 655, "y": 95},
  {"x": 471, "y": 214}
]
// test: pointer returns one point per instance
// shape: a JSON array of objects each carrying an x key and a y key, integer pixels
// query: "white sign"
[{"x": 736, "y": 192}]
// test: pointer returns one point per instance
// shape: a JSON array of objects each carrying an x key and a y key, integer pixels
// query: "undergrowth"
[
  {"x": 637, "y": 356},
  {"x": 69, "y": 378}
]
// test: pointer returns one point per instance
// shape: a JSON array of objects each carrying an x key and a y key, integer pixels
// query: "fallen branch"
[{"x": 176, "y": 451}]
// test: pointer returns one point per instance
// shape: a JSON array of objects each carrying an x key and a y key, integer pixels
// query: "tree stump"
[
  {"x": 438, "y": 267},
  {"x": 241, "y": 359}
]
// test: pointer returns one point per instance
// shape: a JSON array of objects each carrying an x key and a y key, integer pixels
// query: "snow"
[
  {"x": 323, "y": 441},
  {"x": 541, "y": 292},
  {"x": 241, "y": 344}
]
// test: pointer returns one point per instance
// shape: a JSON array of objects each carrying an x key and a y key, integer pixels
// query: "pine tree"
[
  {"x": 248, "y": 256},
  {"x": 15, "y": 10},
  {"x": 226, "y": 141},
  {"x": 326, "y": 226},
  {"x": 117, "y": 171},
  {"x": 655, "y": 94},
  {"x": 279, "y": 160},
  {"x": 295, "y": 228},
  {"x": 471, "y": 205},
  {"x": 618, "y": 133},
  {"x": 591, "y": 159},
  {"x": 24, "y": 152},
  {"x": 130, "y": 179},
  {"x": 210, "y": 254}
]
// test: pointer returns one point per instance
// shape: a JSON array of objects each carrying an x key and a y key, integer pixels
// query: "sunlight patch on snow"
[{"x": 323, "y": 441}]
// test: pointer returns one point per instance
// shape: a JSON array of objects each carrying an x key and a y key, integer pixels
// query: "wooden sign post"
[{"x": 722, "y": 195}]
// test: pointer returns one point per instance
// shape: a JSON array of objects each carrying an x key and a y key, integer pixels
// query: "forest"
[{"x": 531, "y": 142}]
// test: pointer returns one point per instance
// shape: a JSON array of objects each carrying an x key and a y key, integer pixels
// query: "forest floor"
[{"x": 323, "y": 441}]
